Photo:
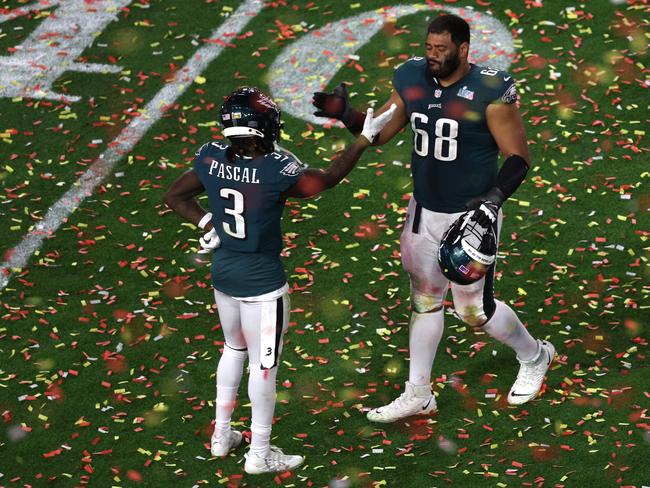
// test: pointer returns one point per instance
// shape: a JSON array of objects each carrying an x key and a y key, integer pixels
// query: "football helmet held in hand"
[{"x": 467, "y": 250}]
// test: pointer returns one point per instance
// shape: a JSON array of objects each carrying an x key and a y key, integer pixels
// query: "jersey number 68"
[{"x": 445, "y": 145}]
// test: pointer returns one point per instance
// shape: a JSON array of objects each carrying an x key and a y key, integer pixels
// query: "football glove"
[
  {"x": 209, "y": 242},
  {"x": 486, "y": 214},
  {"x": 373, "y": 126},
  {"x": 334, "y": 105},
  {"x": 486, "y": 208}
]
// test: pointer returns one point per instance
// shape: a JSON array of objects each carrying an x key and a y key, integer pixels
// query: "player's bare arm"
[
  {"x": 313, "y": 181},
  {"x": 181, "y": 198},
  {"x": 396, "y": 123},
  {"x": 507, "y": 128}
]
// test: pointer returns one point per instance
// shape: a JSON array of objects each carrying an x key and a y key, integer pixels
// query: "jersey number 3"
[
  {"x": 445, "y": 145},
  {"x": 239, "y": 232}
]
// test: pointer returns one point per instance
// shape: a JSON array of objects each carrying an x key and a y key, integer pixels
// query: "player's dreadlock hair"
[
  {"x": 456, "y": 26},
  {"x": 247, "y": 146}
]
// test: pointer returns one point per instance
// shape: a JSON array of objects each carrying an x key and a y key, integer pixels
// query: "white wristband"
[{"x": 204, "y": 220}]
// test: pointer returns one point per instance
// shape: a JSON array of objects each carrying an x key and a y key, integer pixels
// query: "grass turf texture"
[{"x": 111, "y": 330}]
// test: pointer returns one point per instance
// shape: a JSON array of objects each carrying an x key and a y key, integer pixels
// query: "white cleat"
[
  {"x": 222, "y": 445},
  {"x": 274, "y": 461},
  {"x": 416, "y": 400},
  {"x": 531, "y": 375}
]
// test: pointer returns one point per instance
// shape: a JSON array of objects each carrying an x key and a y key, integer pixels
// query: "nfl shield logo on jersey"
[{"x": 437, "y": 93}]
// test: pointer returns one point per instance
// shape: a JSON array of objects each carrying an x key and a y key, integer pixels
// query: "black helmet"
[
  {"x": 248, "y": 112},
  {"x": 467, "y": 250}
]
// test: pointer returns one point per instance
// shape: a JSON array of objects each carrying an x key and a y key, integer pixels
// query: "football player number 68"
[{"x": 445, "y": 146}]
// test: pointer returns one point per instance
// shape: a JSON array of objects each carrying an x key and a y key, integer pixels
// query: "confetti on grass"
[{"x": 109, "y": 340}]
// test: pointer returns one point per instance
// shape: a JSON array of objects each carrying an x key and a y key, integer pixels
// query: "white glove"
[
  {"x": 372, "y": 126},
  {"x": 209, "y": 242}
]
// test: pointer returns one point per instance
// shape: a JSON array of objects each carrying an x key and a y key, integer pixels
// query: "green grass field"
[{"x": 109, "y": 338}]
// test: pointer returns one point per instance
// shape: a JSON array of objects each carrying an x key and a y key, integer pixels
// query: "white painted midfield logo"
[
  {"x": 54, "y": 45},
  {"x": 323, "y": 51},
  {"x": 125, "y": 140}
]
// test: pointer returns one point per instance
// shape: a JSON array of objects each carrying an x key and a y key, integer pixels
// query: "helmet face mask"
[
  {"x": 467, "y": 250},
  {"x": 249, "y": 112}
]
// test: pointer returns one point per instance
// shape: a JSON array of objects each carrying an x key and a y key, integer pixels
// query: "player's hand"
[
  {"x": 485, "y": 211},
  {"x": 333, "y": 105},
  {"x": 372, "y": 126},
  {"x": 209, "y": 242}
]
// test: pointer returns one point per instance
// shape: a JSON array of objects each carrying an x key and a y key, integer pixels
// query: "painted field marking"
[
  {"x": 308, "y": 64},
  {"x": 54, "y": 46},
  {"x": 125, "y": 141}
]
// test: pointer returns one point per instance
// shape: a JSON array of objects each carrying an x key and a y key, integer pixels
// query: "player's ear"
[{"x": 463, "y": 49}]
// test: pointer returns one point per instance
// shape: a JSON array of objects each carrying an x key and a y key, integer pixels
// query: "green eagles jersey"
[
  {"x": 246, "y": 201},
  {"x": 455, "y": 157}
]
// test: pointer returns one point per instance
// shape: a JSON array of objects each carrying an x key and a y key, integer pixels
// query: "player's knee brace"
[{"x": 425, "y": 303}]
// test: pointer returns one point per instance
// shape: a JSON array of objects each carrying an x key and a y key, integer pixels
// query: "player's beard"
[{"x": 448, "y": 66}]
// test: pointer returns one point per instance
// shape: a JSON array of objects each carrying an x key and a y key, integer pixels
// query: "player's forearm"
[
  {"x": 342, "y": 166},
  {"x": 353, "y": 120},
  {"x": 511, "y": 175},
  {"x": 186, "y": 208}
]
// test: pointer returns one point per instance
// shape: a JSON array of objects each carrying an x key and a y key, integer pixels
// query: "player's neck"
[
  {"x": 251, "y": 152},
  {"x": 461, "y": 71}
]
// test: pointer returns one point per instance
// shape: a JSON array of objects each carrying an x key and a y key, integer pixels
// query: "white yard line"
[{"x": 125, "y": 141}]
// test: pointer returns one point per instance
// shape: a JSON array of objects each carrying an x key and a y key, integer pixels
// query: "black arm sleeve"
[
  {"x": 511, "y": 175},
  {"x": 354, "y": 120}
]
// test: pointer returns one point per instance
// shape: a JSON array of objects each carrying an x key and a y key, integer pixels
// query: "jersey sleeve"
[
  {"x": 398, "y": 79},
  {"x": 204, "y": 155},
  {"x": 507, "y": 91},
  {"x": 289, "y": 172},
  {"x": 200, "y": 161},
  {"x": 495, "y": 86},
  {"x": 199, "y": 155},
  {"x": 403, "y": 74}
]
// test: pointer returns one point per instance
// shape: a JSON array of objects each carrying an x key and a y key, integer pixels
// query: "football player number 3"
[
  {"x": 239, "y": 232},
  {"x": 445, "y": 145}
]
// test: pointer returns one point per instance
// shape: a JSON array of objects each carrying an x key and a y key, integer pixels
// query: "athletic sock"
[
  {"x": 229, "y": 373},
  {"x": 506, "y": 327},
  {"x": 261, "y": 391},
  {"x": 425, "y": 333}
]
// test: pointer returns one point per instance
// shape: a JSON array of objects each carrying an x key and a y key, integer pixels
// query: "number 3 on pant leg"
[{"x": 271, "y": 322}]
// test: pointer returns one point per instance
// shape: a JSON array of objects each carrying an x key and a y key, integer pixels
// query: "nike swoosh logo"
[
  {"x": 507, "y": 78},
  {"x": 425, "y": 407},
  {"x": 549, "y": 358},
  {"x": 512, "y": 393}
]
